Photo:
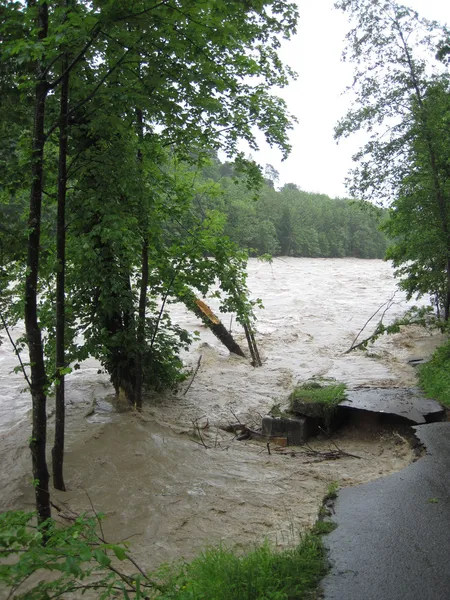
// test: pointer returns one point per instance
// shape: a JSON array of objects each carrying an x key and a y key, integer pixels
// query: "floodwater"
[{"x": 175, "y": 492}]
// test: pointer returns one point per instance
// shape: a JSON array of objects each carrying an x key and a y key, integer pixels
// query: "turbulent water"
[{"x": 153, "y": 480}]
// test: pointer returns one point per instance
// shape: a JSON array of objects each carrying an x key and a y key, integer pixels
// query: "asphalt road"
[{"x": 393, "y": 536}]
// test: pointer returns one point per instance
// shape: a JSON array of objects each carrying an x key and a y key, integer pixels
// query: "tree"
[
  {"x": 141, "y": 86},
  {"x": 418, "y": 224},
  {"x": 402, "y": 163},
  {"x": 33, "y": 329}
]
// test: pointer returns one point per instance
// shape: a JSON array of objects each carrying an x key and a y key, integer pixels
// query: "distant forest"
[{"x": 291, "y": 222}]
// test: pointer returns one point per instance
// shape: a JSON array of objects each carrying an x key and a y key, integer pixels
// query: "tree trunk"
[
  {"x": 140, "y": 337},
  {"x": 33, "y": 332},
  {"x": 58, "y": 448},
  {"x": 221, "y": 332},
  {"x": 447, "y": 295}
]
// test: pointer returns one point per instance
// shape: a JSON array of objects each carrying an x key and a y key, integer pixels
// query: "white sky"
[{"x": 317, "y": 163}]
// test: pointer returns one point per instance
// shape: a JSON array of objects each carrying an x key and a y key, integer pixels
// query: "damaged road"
[{"x": 393, "y": 535}]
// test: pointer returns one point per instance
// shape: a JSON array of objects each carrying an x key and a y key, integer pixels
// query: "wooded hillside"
[{"x": 291, "y": 222}]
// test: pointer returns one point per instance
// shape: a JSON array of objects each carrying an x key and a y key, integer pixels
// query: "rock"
[
  {"x": 407, "y": 403},
  {"x": 295, "y": 430}
]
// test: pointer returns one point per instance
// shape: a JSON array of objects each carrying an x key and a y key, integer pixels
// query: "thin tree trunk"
[
  {"x": 144, "y": 284},
  {"x": 141, "y": 326},
  {"x": 33, "y": 331},
  {"x": 447, "y": 295},
  {"x": 60, "y": 409},
  {"x": 252, "y": 345},
  {"x": 249, "y": 344}
]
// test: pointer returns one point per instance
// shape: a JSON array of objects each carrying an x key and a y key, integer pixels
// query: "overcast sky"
[{"x": 317, "y": 163}]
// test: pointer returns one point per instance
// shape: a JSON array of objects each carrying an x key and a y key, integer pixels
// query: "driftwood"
[
  {"x": 193, "y": 376},
  {"x": 242, "y": 432},
  {"x": 317, "y": 455}
]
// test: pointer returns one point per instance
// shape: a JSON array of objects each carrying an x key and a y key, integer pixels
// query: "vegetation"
[
  {"x": 79, "y": 559},
  {"x": 328, "y": 395},
  {"x": 108, "y": 111},
  {"x": 434, "y": 376},
  {"x": 332, "y": 491},
  {"x": 291, "y": 222},
  {"x": 402, "y": 91},
  {"x": 402, "y": 99}
]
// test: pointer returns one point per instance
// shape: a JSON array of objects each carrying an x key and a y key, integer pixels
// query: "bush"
[{"x": 434, "y": 376}]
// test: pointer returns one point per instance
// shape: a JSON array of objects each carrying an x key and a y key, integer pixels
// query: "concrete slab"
[
  {"x": 408, "y": 403},
  {"x": 392, "y": 540}
]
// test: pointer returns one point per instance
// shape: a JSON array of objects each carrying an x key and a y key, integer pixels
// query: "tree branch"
[{"x": 22, "y": 366}]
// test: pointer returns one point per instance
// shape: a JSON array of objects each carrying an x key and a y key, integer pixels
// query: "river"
[{"x": 153, "y": 481}]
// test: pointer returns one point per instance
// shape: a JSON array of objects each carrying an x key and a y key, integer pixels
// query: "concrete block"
[{"x": 295, "y": 430}]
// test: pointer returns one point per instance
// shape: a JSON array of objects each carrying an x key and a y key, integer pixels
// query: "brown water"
[{"x": 171, "y": 493}]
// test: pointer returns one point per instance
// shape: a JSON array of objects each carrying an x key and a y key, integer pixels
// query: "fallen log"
[{"x": 203, "y": 312}]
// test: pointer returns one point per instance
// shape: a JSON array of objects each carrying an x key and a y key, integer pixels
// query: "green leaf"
[
  {"x": 102, "y": 558},
  {"x": 120, "y": 552}
]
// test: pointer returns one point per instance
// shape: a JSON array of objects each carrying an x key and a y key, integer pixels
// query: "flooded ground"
[{"x": 162, "y": 486}]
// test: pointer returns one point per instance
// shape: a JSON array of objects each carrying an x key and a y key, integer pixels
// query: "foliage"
[
  {"x": 76, "y": 559},
  {"x": 418, "y": 223},
  {"x": 434, "y": 376},
  {"x": 49, "y": 561},
  {"x": 423, "y": 316},
  {"x": 393, "y": 51},
  {"x": 291, "y": 222},
  {"x": 329, "y": 395},
  {"x": 401, "y": 99},
  {"x": 154, "y": 89}
]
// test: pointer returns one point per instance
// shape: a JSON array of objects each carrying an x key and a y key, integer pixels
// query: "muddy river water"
[{"x": 158, "y": 484}]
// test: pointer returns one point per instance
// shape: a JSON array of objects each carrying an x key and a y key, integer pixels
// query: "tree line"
[{"x": 291, "y": 222}]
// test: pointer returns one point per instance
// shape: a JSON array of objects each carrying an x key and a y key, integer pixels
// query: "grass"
[
  {"x": 332, "y": 491},
  {"x": 434, "y": 376},
  {"x": 327, "y": 394},
  {"x": 323, "y": 527},
  {"x": 262, "y": 574}
]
